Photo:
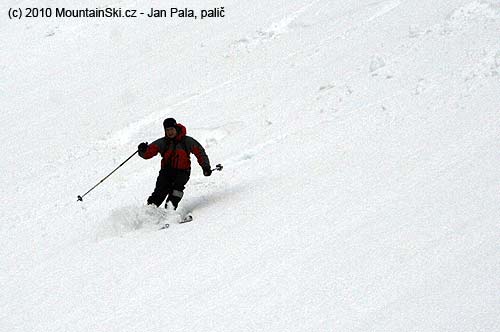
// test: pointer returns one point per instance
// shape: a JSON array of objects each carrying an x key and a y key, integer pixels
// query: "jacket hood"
[{"x": 181, "y": 132}]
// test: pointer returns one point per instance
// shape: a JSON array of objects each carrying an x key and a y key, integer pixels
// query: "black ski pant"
[{"x": 170, "y": 182}]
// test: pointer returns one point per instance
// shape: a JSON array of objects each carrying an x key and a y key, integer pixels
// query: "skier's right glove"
[
  {"x": 207, "y": 171},
  {"x": 142, "y": 147}
]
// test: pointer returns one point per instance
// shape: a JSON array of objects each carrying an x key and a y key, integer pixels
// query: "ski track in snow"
[
  {"x": 275, "y": 30},
  {"x": 386, "y": 7},
  {"x": 283, "y": 25},
  {"x": 361, "y": 16},
  {"x": 126, "y": 135}
]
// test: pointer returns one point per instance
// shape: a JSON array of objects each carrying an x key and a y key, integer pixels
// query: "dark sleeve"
[
  {"x": 152, "y": 149},
  {"x": 195, "y": 148}
]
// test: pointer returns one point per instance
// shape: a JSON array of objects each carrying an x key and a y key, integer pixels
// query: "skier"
[{"x": 175, "y": 148}]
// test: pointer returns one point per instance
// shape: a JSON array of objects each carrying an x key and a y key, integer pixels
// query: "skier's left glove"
[{"x": 207, "y": 171}]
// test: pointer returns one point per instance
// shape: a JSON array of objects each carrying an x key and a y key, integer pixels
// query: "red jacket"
[{"x": 176, "y": 152}]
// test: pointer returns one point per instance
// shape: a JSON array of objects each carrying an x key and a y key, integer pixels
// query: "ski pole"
[{"x": 80, "y": 198}]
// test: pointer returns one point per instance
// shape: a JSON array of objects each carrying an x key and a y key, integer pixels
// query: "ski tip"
[
  {"x": 165, "y": 226},
  {"x": 187, "y": 218}
]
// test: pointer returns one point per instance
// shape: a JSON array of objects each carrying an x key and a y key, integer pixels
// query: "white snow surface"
[{"x": 361, "y": 183}]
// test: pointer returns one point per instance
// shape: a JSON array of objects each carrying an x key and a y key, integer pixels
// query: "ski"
[{"x": 187, "y": 218}]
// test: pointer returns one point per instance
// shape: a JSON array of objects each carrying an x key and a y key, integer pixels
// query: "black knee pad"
[{"x": 175, "y": 197}]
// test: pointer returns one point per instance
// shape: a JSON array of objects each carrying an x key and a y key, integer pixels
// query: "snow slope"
[{"x": 360, "y": 192}]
